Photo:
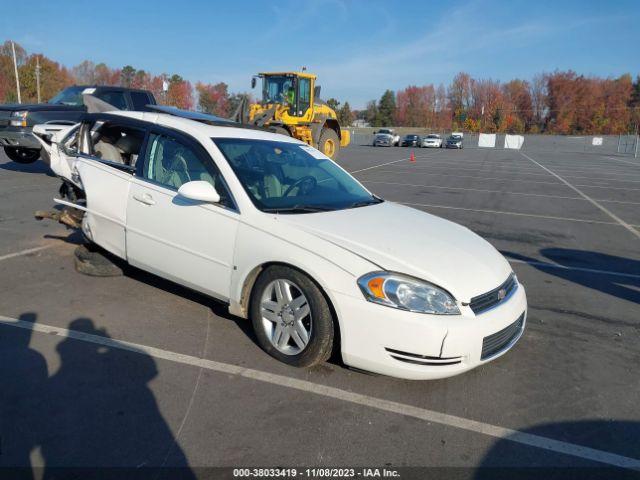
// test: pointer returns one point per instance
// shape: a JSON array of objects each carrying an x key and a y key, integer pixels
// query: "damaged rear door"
[{"x": 110, "y": 147}]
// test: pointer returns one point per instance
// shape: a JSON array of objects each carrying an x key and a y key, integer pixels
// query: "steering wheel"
[{"x": 306, "y": 184}]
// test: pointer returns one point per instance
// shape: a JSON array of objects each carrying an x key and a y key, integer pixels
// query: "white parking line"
[
  {"x": 403, "y": 172},
  {"x": 26, "y": 252},
  {"x": 637, "y": 164},
  {"x": 509, "y": 170},
  {"x": 573, "y": 269},
  {"x": 481, "y": 190},
  {"x": 549, "y": 217},
  {"x": 591, "y": 200},
  {"x": 504, "y": 179},
  {"x": 601, "y": 178},
  {"x": 462, "y": 423},
  {"x": 389, "y": 163}
]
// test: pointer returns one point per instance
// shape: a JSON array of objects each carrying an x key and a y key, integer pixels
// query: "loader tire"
[
  {"x": 281, "y": 131},
  {"x": 93, "y": 261},
  {"x": 329, "y": 143}
]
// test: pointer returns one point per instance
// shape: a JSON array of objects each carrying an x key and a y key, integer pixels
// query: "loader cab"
[{"x": 294, "y": 90}]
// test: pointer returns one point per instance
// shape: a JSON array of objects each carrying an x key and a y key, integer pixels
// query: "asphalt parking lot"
[{"x": 134, "y": 371}]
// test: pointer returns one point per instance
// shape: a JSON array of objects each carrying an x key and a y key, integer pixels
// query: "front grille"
[
  {"x": 490, "y": 299},
  {"x": 422, "y": 359},
  {"x": 499, "y": 341}
]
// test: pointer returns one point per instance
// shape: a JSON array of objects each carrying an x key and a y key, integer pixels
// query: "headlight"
[
  {"x": 407, "y": 293},
  {"x": 19, "y": 119}
]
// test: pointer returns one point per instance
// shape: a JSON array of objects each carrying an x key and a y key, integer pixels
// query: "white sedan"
[
  {"x": 291, "y": 241},
  {"x": 432, "y": 141}
]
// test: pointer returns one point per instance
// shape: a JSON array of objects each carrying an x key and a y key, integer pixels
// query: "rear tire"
[
  {"x": 274, "y": 319},
  {"x": 329, "y": 143},
  {"x": 22, "y": 155}
]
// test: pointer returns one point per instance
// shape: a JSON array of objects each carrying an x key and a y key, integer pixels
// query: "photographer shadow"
[{"x": 95, "y": 412}]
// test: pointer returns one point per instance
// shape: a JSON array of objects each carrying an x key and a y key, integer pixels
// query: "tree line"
[
  {"x": 210, "y": 98},
  {"x": 560, "y": 102}
]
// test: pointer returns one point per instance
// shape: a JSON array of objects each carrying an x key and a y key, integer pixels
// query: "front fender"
[{"x": 333, "y": 268}]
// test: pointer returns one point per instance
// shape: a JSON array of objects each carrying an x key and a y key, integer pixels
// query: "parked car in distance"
[
  {"x": 454, "y": 142},
  {"x": 386, "y": 137},
  {"x": 288, "y": 239},
  {"x": 66, "y": 108},
  {"x": 432, "y": 140},
  {"x": 411, "y": 140}
]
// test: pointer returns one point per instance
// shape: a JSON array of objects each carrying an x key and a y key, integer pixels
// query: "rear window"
[
  {"x": 140, "y": 100},
  {"x": 113, "y": 98}
]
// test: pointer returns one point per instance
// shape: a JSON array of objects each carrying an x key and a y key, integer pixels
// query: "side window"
[
  {"x": 172, "y": 163},
  {"x": 69, "y": 143},
  {"x": 140, "y": 100},
  {"x": 116, "y": 143},
  {"x": 114, "y": 98},
  {"x": 304, "y": 95}
]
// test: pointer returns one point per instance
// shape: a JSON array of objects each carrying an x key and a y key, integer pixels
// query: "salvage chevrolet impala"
[{"x": 291, "y": 241}]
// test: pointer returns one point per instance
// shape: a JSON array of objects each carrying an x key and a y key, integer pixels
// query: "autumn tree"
[
  {"x": 53, "y": 78},
  {"x": 345, "y": 115},
  {"x": 460, "y": 99},
  {"x": 370, "y": 114},
  {"x": 213, "y": 99},
  {"x": 180, "y": 93},
  {"x": 333, "y": 103}
]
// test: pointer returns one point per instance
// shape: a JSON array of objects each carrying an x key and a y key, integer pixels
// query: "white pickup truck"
[{"x": 386, "y": 137}]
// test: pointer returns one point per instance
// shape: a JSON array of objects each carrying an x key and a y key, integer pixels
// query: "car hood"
[
  {"x": 35, "y": 107},
  {"x": 384, "y": 135},
  {"x": 401, "y": 239}
]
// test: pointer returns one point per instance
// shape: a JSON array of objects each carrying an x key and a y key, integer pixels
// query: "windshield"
[
  {"x": 382, "y": 130},
  {"x": 286, "y": 177},
  {"x": 432, "y": 136},
  {"x": 278, "y": 89},
  {"x": 69, "y": 96}
]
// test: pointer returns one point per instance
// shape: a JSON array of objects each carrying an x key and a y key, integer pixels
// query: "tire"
[
  {"x": 319, "y": 319},
  {"x": 93, "y": 261},
  {"x": 22, "y": 155},
  {"x": 281, "y": 131},
  {"x": 329, "y": 143}
]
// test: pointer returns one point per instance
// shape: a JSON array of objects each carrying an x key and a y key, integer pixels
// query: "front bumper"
[
  {"x": 431, "y": 145},
  {"x": 382, "y": 143},
  {"x": 453, "y": 145},
  {"x": 22, "y": 137},
  {"x": 418, "y": 346}
]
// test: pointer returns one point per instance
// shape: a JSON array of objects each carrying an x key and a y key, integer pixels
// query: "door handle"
[{"x": 145, "y": 198}]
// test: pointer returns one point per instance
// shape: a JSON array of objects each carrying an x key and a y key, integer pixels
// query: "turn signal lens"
[
  {"x": 407, "y": 293},
  {"x": 375, "y": 287}
]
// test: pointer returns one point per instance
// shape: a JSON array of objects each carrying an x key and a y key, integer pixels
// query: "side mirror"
[
  {"x": 374, "y": 132},
  {"x": 253, "y": 82},
  {"x": 199, "y": 191}
]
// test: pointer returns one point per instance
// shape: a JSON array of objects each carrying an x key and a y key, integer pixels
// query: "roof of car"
[{"x": 197, "y": 127}]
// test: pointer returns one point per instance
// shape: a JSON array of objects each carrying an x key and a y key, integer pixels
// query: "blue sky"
[{"x": 357, "y": 48}]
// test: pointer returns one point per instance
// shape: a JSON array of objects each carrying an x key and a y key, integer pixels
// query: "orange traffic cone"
[{"x": 412, "y": 157}]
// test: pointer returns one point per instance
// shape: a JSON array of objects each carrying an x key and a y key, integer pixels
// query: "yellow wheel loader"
[{"x": 291, "y": 106}]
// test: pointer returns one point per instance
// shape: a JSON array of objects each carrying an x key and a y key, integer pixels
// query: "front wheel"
[
  {"x": 22, "y": 155},
  {"x": 291, "y": 317},
  {"x": 329, "y": 143}
]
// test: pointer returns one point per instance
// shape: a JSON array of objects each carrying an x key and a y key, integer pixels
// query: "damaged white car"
[{"x": 290, "y": 240}]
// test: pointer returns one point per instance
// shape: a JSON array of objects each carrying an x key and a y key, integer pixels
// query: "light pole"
[{"x": 15, "y": 69}]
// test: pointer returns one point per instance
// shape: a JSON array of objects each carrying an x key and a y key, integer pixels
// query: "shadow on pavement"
[
  {"x": 510, "y": 460},
  {"x": 38, "y": 166},
  {"x": 625, "y": 288},
  {"x": 95, "y": 410}
]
